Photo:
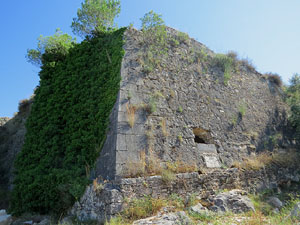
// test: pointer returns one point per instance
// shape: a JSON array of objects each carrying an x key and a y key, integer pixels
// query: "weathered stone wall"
[
  {"x": 188, "y": 93},
  {"x": 108, "y": 201},
  {"x": 106, "y": 163},
  {"x": 12, "y": 134}
]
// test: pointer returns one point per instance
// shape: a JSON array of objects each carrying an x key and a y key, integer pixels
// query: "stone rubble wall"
[
  {"x": 102, "y": 204},
  {"x": 189, "y": 93}
]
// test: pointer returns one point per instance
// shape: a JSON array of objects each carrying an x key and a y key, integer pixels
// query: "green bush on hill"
[
  {"x": 67, "y": 124},
  {"x": 293, "y": 99}
]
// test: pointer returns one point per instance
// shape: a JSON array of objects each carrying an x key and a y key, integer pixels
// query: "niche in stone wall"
[{"x": 202, "y": 136}]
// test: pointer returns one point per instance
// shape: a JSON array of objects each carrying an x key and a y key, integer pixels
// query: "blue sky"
[{"x": 265, "y": 31}]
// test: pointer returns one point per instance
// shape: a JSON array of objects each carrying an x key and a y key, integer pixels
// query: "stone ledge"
[{"x": 110, "y": 201}]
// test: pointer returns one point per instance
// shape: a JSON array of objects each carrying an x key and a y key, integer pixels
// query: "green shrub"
[
  {"x": 154, "y": 31},
  {"x": 234, "y": 119},
  {"x": 144, "y": 207},
  {"x": 225, "y": 63},
  {"x": 152, "y": 107},
  {"x": 155, "y": 37},
  {"x": 67, "y": 125},
  {"x": 243, "y": 109},
  {"x": 180, "y": 138},
  {"x": 118, "y": 220},
  {"x": 176, "y": 201},
  {"x": 227, "y": 77},
  {"x": 201, "y": 55},
  {"x": 183, "y": 37},
  {"x": 168, "y": 176},
  {"x": 180, "y": 109},
  {"x": 293, "y": 99},
  {"x": 203, "y": 217}
]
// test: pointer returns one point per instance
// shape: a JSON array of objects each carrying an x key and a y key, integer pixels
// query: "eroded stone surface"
[
  {"x": 198, "y": 209},
  {"x": 177, "y": 218},
  {"x": 275, "y": 202},
  {"x": 235, "y": 201}
]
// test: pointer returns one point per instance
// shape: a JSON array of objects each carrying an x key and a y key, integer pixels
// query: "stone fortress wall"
[{"x": 197, "y": 118}]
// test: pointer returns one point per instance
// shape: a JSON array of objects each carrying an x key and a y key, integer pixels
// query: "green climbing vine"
[{"x": 68, "y": 123}]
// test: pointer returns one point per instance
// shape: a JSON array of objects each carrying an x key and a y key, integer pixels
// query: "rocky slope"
[{"x": 12, "y": 133}]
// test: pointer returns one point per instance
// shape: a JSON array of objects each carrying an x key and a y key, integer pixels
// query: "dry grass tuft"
[
  {"x": 168, "y": 176},
  {"x": 274, "y": 78},
  {"x": 172, "y": 93},
  {"x": 248, "y": 64},
  {"x": 285, "y": 159},
  {"x": 254, "y": 162},
  {"x": 23, "y": 105},
  {"x": 181, "y": 167},
  {"x": 150, "y": 165},
  {"x": 136, "y": 168},
  {"x": 131, "y": 114},
  {"x": 164, "y": 127},
  {"x": 153, "y": 165},
  {"x": 98, "y": 187}
]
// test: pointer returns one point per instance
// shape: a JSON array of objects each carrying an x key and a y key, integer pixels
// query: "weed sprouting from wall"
[
  {"x": 136, "y": 167},
  {"x": 168, "y": 176},
  {"x": 130, "y": 114},
  {"x": 141, "y": 208},
  {"x": 274, "y": 78},
  {"x": 243, "y": 109},
  {"x": 183, "y": 37},
  {"x": 97, "y": 187},
  {"x": 163, "y": 125},
  {"x": 225, "y": 63},
  {"x": 155, "y": 37}
]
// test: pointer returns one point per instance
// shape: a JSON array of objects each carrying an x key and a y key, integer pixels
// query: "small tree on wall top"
[
  {"x": 59, "y": 43},
  {"x": 151, "y": 20},
  {"x": 95, "y": 16}
]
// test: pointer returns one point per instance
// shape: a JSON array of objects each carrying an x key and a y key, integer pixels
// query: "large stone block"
[
  {"x": 207, "y": 148},
  {"x": 121, "y": 142},
  {"x": 235, "y": 201},
  {"x": 124, "y": 128},
  {"x": 211, "y": 161}
]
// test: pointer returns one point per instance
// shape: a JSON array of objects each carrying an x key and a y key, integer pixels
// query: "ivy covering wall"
[{"x": 67, "y": 125}]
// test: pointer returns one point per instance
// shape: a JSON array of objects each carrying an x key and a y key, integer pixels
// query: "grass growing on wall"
[{"x": 67, "y": 125}]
